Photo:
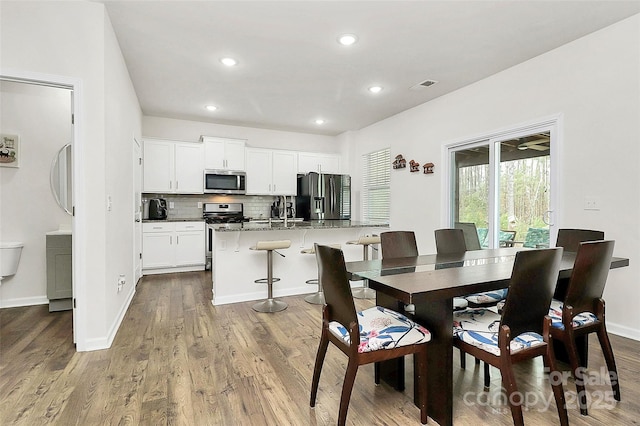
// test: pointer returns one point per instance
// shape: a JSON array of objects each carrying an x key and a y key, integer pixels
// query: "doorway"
[
  {"x": 504, "y": 184},
  {"x": 37, "y": 159}
]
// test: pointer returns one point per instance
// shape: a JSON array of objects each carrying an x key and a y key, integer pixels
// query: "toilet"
[{"x": 9, "y": 258}]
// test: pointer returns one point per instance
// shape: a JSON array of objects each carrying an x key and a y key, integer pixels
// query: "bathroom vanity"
[{"x": 59, "y": 271}]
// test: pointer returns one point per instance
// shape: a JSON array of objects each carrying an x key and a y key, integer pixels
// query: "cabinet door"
[
  {"x": 189, "y": 248},
  {"x": 259, "y": 172},
  {"x": 329, "y": 164},
  {"x": 189, "y": 168},
  {"x": 285, "y": 167},
  {"x": 158, "y": 250},
  {"x": 234, "y": 153},
  {"x": 158, "y": 166},
  {"x": 213, "y": 154}
]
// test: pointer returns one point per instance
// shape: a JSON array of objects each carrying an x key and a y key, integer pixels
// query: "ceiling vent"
[{"x": 424, "y": 84}]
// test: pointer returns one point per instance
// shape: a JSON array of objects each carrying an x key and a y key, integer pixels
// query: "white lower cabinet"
[{"x": 172, "y": 246}]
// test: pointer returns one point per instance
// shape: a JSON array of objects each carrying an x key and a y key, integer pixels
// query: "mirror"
[{"x": 61, "y": 172}]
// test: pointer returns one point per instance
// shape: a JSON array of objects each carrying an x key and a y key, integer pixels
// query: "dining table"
[{"x": 428, "y": 283}]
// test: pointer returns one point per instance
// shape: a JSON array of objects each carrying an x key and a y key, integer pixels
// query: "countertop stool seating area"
[
  {"x": 521, "y": 332},
  {"x": 316, "y": 298},
  {"x": 365, "y": 292},
  {"x": 583, "y": 313},
  {"x": 271, "y": 304},
  {"x": 372, "y": 335}
]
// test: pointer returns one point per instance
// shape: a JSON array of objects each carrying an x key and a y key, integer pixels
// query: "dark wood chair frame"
[
  {"x": 570, "y": 239},
  {"x": 394, "y": 244},
  {"x": 526, "y": 310},
  {"x": 339, "y": 307},
  {"x": 449, "y": 241},
  {"x": 584, "y": 294}
]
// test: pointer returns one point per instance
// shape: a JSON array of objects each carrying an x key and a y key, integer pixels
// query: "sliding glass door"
[{"x": 503, "y": 184}]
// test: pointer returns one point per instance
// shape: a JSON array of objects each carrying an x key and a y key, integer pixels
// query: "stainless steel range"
[{"x": 218, "y": 215}]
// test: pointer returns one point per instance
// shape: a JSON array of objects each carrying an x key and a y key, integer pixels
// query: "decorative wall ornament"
[
  {"x": 9, "y": 150},
  {"x": 399, "y": 162},
  {"x": 414, "y": 166},
  {"x": 428, "y": 168}
]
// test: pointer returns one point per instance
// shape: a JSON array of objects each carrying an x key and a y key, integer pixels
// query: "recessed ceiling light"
[
  {"x": 211, "y": 107},
  {"x": 229, "y": 62},
  {"x": 319, "y": 121},
  {"x": 347, "y": 39},
  {"x": 375, "y": 89}
]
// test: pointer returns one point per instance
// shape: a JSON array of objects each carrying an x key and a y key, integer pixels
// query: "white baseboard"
[
  {"x": 106, "y": 341},
  {"x": 623, "y": 331},
  {"x": 24, "y": 301}
]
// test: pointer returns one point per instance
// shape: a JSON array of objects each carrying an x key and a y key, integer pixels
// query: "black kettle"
[{"x": 157, "y": 209}]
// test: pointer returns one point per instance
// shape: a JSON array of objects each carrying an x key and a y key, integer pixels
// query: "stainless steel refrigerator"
[{"x": 324, "y": 197}]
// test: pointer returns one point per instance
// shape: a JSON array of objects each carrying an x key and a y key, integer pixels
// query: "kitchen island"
[{"x": 235, "y": 267}]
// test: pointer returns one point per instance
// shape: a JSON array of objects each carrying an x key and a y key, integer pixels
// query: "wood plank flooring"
[{"x": 178, "y": 360}]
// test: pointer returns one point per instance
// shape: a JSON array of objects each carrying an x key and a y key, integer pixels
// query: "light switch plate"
[{"x": 591, "y": 203}]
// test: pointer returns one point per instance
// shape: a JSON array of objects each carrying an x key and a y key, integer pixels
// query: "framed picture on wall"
[{"x": 9, "y": 150}]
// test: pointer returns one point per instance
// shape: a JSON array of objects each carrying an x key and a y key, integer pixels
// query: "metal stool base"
[
  {"x": 315, "y": 298},
  {"x": 270, "y": 305},
  {"x": 363, "y": 293}
]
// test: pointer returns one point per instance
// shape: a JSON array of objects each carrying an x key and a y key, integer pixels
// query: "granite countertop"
[
  {"x": 175, "y": 219},
  {"x": 298, "y": 226}
]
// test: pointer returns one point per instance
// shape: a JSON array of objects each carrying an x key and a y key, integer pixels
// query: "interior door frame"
[
  {"x": 552, "y": 124},
  {"x": 79, "y": 223},
  {"x": 137, "y": 210}
]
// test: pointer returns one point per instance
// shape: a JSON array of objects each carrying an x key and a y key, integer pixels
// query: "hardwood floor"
[{"x": 179, "y": 360}]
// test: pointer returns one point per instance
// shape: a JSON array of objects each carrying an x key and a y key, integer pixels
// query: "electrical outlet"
[
  {"x": 171, "y": 204},
  {"x": 591, "y": 203},
  {"x": 199, "y": 204}
]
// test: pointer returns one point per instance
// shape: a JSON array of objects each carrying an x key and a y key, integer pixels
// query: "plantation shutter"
[{"x": 376, "y": 187}]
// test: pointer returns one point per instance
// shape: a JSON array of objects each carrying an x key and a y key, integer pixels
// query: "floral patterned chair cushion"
[
  {"x": 479, "y": 327},
  {"x": 555, "y": 312},
  {"x": 382, "y": 328},
  {"x": 487, "y": 297}
]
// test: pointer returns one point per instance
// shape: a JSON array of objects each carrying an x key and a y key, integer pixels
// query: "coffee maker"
[{"x": 157, "y": 209}]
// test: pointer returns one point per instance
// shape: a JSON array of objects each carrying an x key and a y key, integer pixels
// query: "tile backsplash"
[{"x": 186, "y": 206}]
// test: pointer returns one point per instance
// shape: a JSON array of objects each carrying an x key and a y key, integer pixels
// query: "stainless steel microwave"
[{"x": 225, "y": 182}]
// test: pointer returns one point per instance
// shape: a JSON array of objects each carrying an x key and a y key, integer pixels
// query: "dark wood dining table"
[{"x": 430, "y": 282}]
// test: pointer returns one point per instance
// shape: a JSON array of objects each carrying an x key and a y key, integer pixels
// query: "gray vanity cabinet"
[{"x": 59, "y": 271}]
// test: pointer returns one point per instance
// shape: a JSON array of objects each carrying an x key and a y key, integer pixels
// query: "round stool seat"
[
  {"x": 365, "y": 241},
  {"x": 271, "y": 245}
]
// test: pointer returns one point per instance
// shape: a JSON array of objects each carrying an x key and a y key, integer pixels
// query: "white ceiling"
[{"x": 291, "y": 69}]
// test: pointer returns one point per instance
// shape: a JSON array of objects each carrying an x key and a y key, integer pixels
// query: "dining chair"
[
  {"x": 583, "y": 313},
  {"x": 522, "y": 331},
  {"x": 450, "y": 241},
  {"x": 471, "y": 238},
  {"x": 394, "y": 244},
  {"x": 373, "y": 335},
  {"x": 570, "y": 239}
]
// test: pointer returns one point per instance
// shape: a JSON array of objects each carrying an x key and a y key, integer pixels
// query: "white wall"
[
  {"x": 184, "y": 130},
  {"x": 41, "y": 117},
  {"x": 74, "y": 39},
  {"x": 594, "y": 83}
]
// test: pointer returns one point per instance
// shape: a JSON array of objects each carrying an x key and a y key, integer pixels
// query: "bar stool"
[
  {"x": 318, "y": 297},
  {"x": 270, "y": 305},
  {"x": 365, "y": 292}
]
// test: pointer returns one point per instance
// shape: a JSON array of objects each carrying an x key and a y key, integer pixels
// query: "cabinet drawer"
[
  {"x": 158, "y": 227},
  {"x": 189, "y": 226}
]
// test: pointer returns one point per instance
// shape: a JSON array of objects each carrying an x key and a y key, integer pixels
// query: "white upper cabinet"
[
  {"x": 172, "y": 167},
  {"x": 224, "y": 153},
  {"x": 318, "y": 162},
  {"x": 271, "y": 172}
]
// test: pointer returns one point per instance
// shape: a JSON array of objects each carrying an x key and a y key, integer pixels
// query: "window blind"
[{"x": 376, "y": 186}]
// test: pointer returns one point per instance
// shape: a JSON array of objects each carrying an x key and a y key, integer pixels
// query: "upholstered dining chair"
[
  {"x": 522, "y": 331},
  {"x": 373, "y": 335},
  {"x": 583, "y": 312},
  {"x": 570, "y": 239}
]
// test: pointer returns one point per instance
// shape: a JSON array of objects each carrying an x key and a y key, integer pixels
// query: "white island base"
[{"x": 235, "y": 267}]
